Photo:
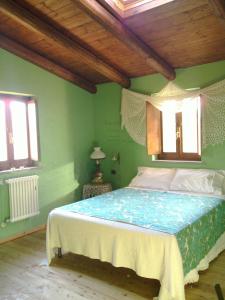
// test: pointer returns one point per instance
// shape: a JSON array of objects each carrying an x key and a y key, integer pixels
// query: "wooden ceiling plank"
[
  {"x": 33, "y": 23},
  {"x": 37, "y": 59},
  {"x": 124, "y": 34},
  {"x": 218, "y": 7}
]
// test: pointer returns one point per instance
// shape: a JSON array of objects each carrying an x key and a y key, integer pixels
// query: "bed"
[{"x": 158, "y": 232}]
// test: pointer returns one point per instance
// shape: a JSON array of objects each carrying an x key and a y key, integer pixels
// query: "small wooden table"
[{"x": 94, "y": 189}]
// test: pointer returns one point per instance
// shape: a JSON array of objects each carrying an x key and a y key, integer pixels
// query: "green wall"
[
  {"x": 71, "y": 121},
  {"x": 112, "y": 139},
  {"x": 66, "y": 118}
]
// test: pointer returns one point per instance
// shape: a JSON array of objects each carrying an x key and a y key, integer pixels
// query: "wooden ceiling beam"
[
  {"x": 35, "y": 24},
  {"x": 124, "y": 34},
  {"x": 218, "y": 7},
  {"x": 37, "y": 59}
]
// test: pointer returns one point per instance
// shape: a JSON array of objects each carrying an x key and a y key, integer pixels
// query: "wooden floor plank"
[{"x": 25, "y": 275}]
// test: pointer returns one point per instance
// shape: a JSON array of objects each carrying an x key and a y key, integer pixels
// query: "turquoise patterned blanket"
[{"x": 197, "y": 221}]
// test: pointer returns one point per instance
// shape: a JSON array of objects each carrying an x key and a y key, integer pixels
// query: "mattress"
[{"x": 160, "y": 235}]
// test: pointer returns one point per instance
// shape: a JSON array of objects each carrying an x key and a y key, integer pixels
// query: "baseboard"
[{"x": 11, "y": 238}]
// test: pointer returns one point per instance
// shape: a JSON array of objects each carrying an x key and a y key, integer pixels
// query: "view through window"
[
  {"x": 18, "y": 131},
  {"x": 181, "y": 132}
]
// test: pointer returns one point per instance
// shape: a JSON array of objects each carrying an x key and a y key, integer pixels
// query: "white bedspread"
[{"x": 149, "y": 253}]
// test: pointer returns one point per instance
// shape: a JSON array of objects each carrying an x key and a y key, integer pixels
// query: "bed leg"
[
  {"x": 59, "y": 253},
  {"x": 219, "y": 292}
]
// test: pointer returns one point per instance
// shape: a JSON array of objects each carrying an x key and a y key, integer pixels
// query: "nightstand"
[{"x": 91, "y": 189}]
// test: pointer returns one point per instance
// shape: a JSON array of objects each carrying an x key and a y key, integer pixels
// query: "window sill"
[
  {"x": 177, "y": 161},
  {"x": 14, "y": 170}
]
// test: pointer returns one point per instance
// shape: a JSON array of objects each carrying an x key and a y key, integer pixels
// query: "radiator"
[{"x": 23, "y": 197}]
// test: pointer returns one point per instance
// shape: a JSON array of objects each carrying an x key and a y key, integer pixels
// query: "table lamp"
[{"x": 97, "y": 155}]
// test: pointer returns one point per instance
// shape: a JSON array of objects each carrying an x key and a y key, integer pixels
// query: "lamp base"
[{"x": 98, "y": 178}]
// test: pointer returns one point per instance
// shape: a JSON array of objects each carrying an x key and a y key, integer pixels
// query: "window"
[
  {"x": 127, "y": 8},
  {"x": 175, "y": 136},
  {"x": 18, "y": 132}
]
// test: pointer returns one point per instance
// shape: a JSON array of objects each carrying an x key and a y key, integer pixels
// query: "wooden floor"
[{"x": 25, "y": 275}]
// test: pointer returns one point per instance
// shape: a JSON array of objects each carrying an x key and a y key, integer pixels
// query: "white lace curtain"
[{"x": 133, "y": 110}]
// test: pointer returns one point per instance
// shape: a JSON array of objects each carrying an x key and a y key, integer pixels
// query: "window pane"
[
  {"x": 190, "y": 126},
  {"x": 169, "y": 131},
  {"x": 19, "y": 128},
  {"x": 33, "y": 130},
  {"x": 3, "y": 140}
]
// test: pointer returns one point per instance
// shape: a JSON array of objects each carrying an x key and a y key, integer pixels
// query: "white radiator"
[{"x": 23, "y": 197}]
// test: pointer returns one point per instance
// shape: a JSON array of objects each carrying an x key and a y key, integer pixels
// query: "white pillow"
[
  {"x": 197, "y": 180},
  {"x": 153, "y": 178}
]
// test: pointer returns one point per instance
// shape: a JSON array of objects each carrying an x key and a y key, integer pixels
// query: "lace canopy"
[{"x": 133, "y": 110}]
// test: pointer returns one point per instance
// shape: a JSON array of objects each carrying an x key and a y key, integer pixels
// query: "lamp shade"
[{"x": 97, "y": 153}]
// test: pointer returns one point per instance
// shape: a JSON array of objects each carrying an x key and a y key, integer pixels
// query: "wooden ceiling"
[{"x": 87, "y": 42}]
